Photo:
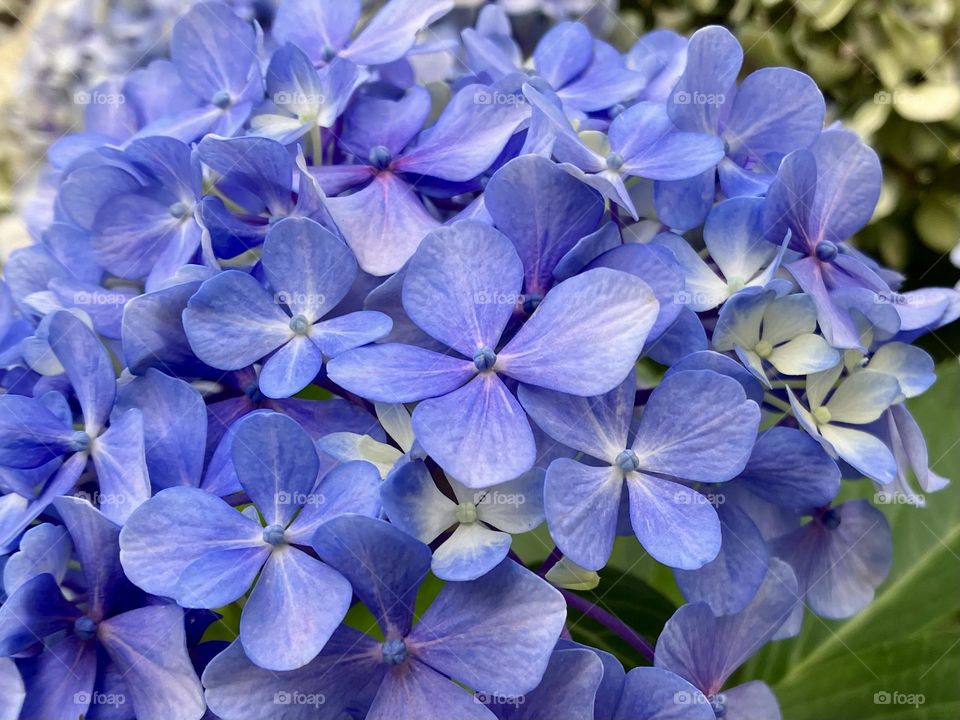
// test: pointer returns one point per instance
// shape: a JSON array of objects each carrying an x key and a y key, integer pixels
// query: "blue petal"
[
  {"x": 585, "y": 336},
  {"x": 478, "y": 433},
  {"x": 495, "y": 633},
  {"x": 386, "y": 208},
  {"x": 30, "y": 434},
  {"x": 337, "y": 335},
  {"x": 174, "y": 427},
  {"x": 650, "y": 692},
  {"x": 371, "y": 121},
  {"x": 563, "y": 53},
  {"x": 384, "y": 565},
  {"x": 839, "y": 568},
  {"x": 597, "y": 426},
  {"x": 790, "y": 469},
  {"x": 53, "y": 693},
  {"x": 148, "y": 646},
  {"x": 393, "y": 30},
  {"x": 714, "y": 58},
  {"x": 214, "y": 50},
  {"x": 847, "y": 189},
  {"x": 88, "y": 368},
  {"x": 581, "y": 505},
  {"x": 398, "y": 373},
  {"x": 706, "y": 649},
  {"x": 680, "y": 436},
  {"x": 293, "y": 610},
  {"x": 11, "y": 689},
  {"x": 462, "y": 285},
  {"x": 259, "y": 166},
  {"x": 414, "y": 504},
  {"x": 684, "y": 204},
  {"x": 676, "y": 525},
  {"x": 415, "y": 692},
  {"x": 471, "y": 551},
  {"x": 290, "y": 369},
  {"x": 728, "y": 582},
  {"x": 775, "y": 110},
  {"x": 35, "y": 610},
  {"x": 43, "y": 549},
  {"x": 232, "y": 321},
  {"x": 120, "y": 458},
  {"x": 350, "y": 488},
  {"x": 544, "y": 211},
  {"x": 179, "y": 526},
  {"x": 313, "y": 26},
  {"x": 277, "y": 464}
]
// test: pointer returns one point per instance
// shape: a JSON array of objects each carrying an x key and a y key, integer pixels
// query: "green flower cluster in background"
[{"x": 890, "y": 70}]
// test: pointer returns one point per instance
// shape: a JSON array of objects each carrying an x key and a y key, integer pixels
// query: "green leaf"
[{"x": 899, "y": 657}]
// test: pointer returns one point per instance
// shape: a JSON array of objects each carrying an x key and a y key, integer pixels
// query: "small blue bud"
[
  {"x": 85, "y": 628},
  {"x": 273, "y": 534},
  {"x": 830, "y": 519},
  {"x": 328, "y": 52},
  {"x": 299, "y": 324},
  {"x": 221, "y": 99},
  {"x": 394, "y": 651},
  {"x": 628, "y": 461},
  {"x": 380, "y": 157},
  {"x": 531, "y": 302},
  {"x": 826, "y": 251},
  {"x": 484, "y": 359},
  {"x": 614, "y": 161},
  {"x": 80, "y": 441},
  {"x": 178, "y": 210}
]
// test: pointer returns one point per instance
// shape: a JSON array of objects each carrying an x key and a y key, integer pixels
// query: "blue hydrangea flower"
[
  {"x": 678, "y": 436},
  {"x": 494, "y": 634},
  {"x": 483, "y": 519},
  {"x": 232, "y": 321},
  {"x": 107, "y": 640},
  {"x": 189, "y": 545},
  {"x": 468, "y": 419}
]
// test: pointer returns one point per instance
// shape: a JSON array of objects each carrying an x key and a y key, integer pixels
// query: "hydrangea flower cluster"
[{"x": 304, "y": 328}]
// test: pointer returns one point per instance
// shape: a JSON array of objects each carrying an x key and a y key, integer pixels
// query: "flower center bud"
[
  {"x": 830, "y": 519},
  {"x": 80, "y": 441},
  {"x": 614, "y": 161},
  {"x": 394, "y": 651},
  {"x": 628, "y": 461},
  {"x": 299, "y": 324},
  {"x": 85, "y": 628},
  {"x": 221, "y": 99},
  {"x": 328, "y": 52},
  {"x": 380, "y": 157},
  {"x": 466, "y": 513},
  {"x": 826, "y": 251},
  {"x": 531, "y": 302},
  {"x": 821, "y": 415},
  {"x": 273, "y": 534},
  {"x": 736, "y": 284},
  {"x": 484, "y": 359},
  {"x": 763, "y": 349},
  {"x": 177, "y": 210}
]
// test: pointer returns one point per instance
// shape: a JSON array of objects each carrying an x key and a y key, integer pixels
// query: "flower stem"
[{"x": 609, "y": 621}]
